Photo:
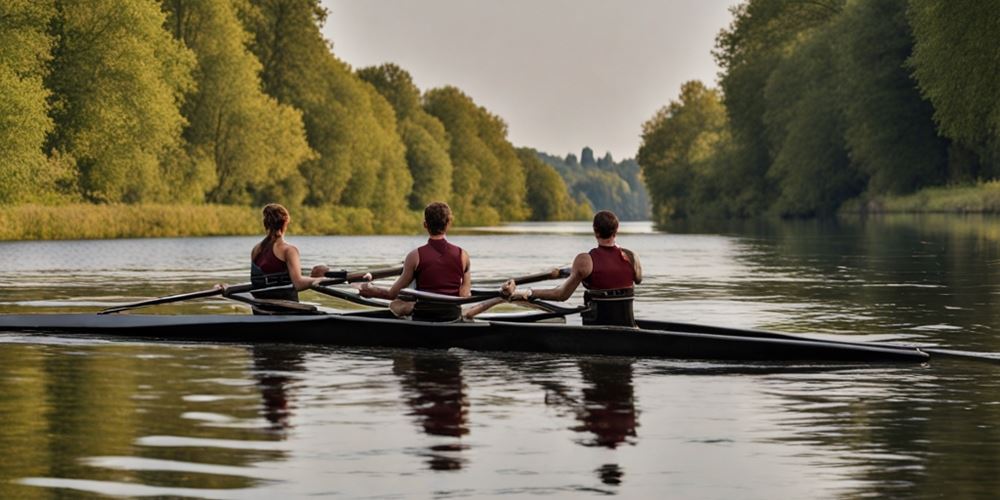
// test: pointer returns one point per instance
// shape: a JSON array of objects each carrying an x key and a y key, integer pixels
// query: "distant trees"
[
  {"x": 241, "y": 102},
  {"x": 547, "y": 195},
  {"x": 826, "y": 100},
  {"x": 604, "y": 185}
]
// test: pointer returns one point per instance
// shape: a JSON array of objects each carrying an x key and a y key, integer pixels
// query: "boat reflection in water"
[
  {"x": 435, "y": 392},
  {"x": 271, "y": 367}
]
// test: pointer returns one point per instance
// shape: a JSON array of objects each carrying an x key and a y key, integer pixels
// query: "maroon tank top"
[
  {"x": 440, "y": 269},
  {"x": 268, "y": 262},
  {"x": 612, "y": 270}
]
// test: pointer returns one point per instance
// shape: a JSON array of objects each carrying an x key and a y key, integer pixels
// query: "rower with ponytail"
[{"x": 275, "y": 262}]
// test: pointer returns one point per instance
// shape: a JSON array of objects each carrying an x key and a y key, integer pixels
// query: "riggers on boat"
[{"x": 515, "y": 332}]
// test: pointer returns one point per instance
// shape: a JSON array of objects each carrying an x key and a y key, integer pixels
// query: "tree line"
[
  {"x": 824, "y": 101},
  {"x": 239, "y": 102},
  {"x": 603, "y": 183}
]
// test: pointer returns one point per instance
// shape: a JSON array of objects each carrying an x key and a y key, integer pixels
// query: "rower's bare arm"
[
  {"x": 475, "y": 309},
  {"x": 292, "y": 262},
  {"x": 466, "y": 289},
  {"x": 403, "y": 281},
  {"x": 635, "y": 265},
  {"x": 582, "y": 266}
]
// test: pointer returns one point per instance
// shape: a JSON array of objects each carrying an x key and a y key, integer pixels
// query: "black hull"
[{"x": 652, "y": 339}]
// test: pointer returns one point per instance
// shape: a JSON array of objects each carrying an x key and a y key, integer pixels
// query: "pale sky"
[{"x": 563, "y": 74}]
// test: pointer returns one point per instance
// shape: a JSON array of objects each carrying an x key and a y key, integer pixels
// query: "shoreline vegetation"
[
  {"x": 982, "y": 198},
  {"x": 826, "y": 107},
  {"x": 155, "y": 118},
  {"x": 109, "y": 221}
]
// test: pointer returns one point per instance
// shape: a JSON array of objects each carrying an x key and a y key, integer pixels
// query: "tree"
[
  {"x": 488, "y": 179},
  {"x": 423, "y": 135},
  {"x": 956, "y": 61},
  {"x": 677, "y": 147},
  {"x": 587, "y": 157},
  {"x": 890, "y": 132},
  {"x": 762, "y": 33},
  {"x": 117, "y": 81},
  {"x": 806, "y": 125},
  {"x": 25, "y": 50},
  {"x": 547, "y": 195},
  {"x": 361, "y": 158},
  {"x": 240, "y": 143}
]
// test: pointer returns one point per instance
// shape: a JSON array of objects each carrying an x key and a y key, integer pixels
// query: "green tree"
[
  {"x": 762, "y": 33},
  {"x": 25, "y": 49},
  {"x": 677, "y": 147},
  {"x": 361, "y": 158},
  {"x": 488, "y": 179},
  {"x": 423, "y": 135},
  {"x": 117, "y": 81},
  {"x": 240, "y": 142},
  {"x": 547, "y": 195},
  {"x": 890, "y": 132},
  {"x": 956, "y": 60}
]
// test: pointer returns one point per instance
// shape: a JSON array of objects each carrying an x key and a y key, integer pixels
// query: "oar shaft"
[{"x": 164, "y": 300}]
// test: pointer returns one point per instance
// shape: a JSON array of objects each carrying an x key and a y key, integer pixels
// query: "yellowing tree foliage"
[{"x": 117, "y": 81}]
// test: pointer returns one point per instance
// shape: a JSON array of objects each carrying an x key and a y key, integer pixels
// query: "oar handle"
[{"x": 362, "y": 276}]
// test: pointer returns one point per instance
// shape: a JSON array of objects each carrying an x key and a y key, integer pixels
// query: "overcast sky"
[{"x": 563, "y": 73}]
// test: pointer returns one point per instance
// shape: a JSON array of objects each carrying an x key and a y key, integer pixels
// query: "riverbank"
[
  {"x": 980, "y": 198},
  {"x": 87, "y": 221}
]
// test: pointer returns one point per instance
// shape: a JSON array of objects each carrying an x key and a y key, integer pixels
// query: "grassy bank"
[
  {"x": 85, "y": 221},
  {"x": 980, "y": 198}
]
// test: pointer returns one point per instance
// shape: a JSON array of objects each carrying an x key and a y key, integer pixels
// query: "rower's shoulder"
[{"x": 583, "y": 261}]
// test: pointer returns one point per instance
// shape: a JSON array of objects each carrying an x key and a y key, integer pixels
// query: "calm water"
[{"x": 86, "y": 416}]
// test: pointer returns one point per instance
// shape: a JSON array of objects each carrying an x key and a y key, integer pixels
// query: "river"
[{"x": 137, "y": 418}]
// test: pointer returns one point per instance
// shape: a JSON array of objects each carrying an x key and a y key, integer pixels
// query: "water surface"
[{"x": 267, "y": 421}]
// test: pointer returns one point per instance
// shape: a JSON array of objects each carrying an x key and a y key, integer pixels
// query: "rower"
[
  {"x": 608, "y": 272},
  {"x": 437, "y": 267},
  {"x": 275, "y": 262}
]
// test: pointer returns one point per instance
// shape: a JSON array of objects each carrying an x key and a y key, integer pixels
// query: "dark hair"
[
  {"x": 605, "y": 224},
  {"x": 437, "y": 215}
]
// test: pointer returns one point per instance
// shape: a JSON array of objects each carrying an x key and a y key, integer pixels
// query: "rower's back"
[
  {"x": 611, "y": 282},
  {"x": 441, "y": 271},
  {"x": 268, "y": 271},
  {"x": 610, "y": 287}
]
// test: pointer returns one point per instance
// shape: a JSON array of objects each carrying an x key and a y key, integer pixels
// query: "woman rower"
[{"x": 275, "y": 262}]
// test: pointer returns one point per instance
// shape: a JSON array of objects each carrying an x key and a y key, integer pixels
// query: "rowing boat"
[{"x": 500, "y": 332}]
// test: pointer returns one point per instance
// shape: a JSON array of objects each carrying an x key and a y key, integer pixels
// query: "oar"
[
  {"x": 987, "y": 357},
  {"x": 338, "y": 277},
  {"x": 553, "y": 274},
  {"x": 217, "y": 290}
]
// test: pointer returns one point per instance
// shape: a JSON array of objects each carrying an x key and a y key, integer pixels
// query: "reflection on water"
[
  {"x": 271, "y": 364},
  {"x": 435, "y": 392},
  {"x": 174, "y": 420}
]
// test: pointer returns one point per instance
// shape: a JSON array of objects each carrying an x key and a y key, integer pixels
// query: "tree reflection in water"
[{"x": 436, "y": 395}]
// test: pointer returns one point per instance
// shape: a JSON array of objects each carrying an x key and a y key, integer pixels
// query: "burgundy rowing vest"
[
  {"x": 611, "y": 271},
  {"x": 440, "y": 269},
  {"x": 268, "y": 262}
]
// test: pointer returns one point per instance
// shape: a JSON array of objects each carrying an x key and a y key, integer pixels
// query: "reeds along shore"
[
  {"x": 90, "y": 221},
  {"x": 982, "y": 198}
]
